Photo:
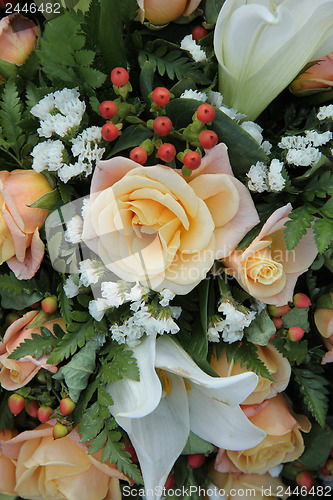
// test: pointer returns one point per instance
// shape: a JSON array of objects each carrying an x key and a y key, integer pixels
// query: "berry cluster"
[{"x": 294, "y": 333}]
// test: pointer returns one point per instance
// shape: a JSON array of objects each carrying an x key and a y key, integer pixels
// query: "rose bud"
[
  {"x": 301, "y": 300},
  {"x": 316, "y": 75}
]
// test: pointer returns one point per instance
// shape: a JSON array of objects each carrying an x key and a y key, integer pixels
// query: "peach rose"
[
  {"x": 233, "y": 485},
  {"x": 318, "y": 76},
  {"x": 265, "y": 269},
  {"x": 15, "y": 374},
  {"x": 20, "y": 244},
  {"x": 51, "y": 469},
  {"x": 161, "y": 12},
  {"x": 7, "y": 466},
  {"x": 278, "y": 366},
  {"x": 283, "y": 443},
  {"x": 149, "y": 224},
  {"x": 323, "y": 318},
  {"x": 17, "y": 38}
]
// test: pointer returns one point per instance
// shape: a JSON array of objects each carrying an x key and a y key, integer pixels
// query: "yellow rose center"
[{"x": 262, "y": 268}]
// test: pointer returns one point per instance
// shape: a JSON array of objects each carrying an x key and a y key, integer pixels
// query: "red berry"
[
  {"x": 16, "y": 403},
  {"x": 278, "y": 322},
  {"x": 166, "y": 152},
  {"x": 59, "y": 431},
  {"x": 169, "y": 482},
  {"x": 196, "y": 460},
  {"x": 208, "y": 139},
  {"x": 277, "y": 311},
  {"x": 129, "y": 448},
  {"x": 119, "y": 77},
  {"x": 161, "y": 96},
  {"x": 108, "y": 109},
  {"x": 205, "y": 113},
  {"x": 199, "y": 32},
  {"x": 301, "y": 301},
  {"x": 109, "y": 132},
  {"x": 295, "y": 333},
  {"x": 304, "y": 479},
  {"x": 32, "y": 408},
  {"x": 44, "y": 413},
  {"x": 35, "y": 305},
  {"x": 192, "y": 160},
  {"x": 66, "y": 406},
  {"x": 50, "y": 304},
  {"x": 162, "y": 125},
  {"x": 139, "y": 155}
]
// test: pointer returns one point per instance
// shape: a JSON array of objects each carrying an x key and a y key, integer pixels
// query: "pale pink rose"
[
  {"x": 278, "y": 366},
  {"x": 20, "y": 244},
  {"x": 7, "y": 466},
  {"x": 318, "y": 76},
  {"x": 51, "y": 469},
  {"x": 324, "y": 322},
  {"x": 149, "y": 224},
  {"x": 283, "y": 443},
  {"x": 17, "y": 38},
  {"x": 17, "y": 373},
  {"x": 265, "y": 269},
  {"x": 161, "y": 12}
]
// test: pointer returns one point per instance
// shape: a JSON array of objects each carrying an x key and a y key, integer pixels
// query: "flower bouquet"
[{"x": 166, "y": 249}]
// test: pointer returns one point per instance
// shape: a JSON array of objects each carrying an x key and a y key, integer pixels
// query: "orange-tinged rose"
[
  {"x": 20, "y": 244},
  {"x": 17, "y": 38},
  {"x": 149, "y": 224},
  {"x": 323, "y": 318},
  {"x": 266, "y": 269},
  {"x": 318, "y": 75},
  {"x": 7, "y": 466},
  {"x": 17, "y": 373},
  {"x": 262, "y": 486},
  {"x": 51, "y": 469},
  {"x": 161, "y": 12},
  {"x": 283, "y": 443},
  {"x": 278, "y": 366}
]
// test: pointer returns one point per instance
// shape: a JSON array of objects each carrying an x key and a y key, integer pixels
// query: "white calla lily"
[
  {"x": 261, "y": 45},
  {"x": 173, "y": 397}
]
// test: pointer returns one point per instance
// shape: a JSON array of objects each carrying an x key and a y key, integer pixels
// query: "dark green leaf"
[
  {"x": 318, "y": 444},
  {"x": 300, "y": 221},
  {"x": 11, "y": 115},
  {"x": 323, "y": 231},
  {"x": 132, "y": 136},
  {"x": 47, "y": 200},
  {"x": 315, "y": 393},
  {"x": 78, "y": 334},
  {"x": 111, "y": 40},
  {"x": 296, "y": 352},
  {"x": 246, "y": 353},
  {"x": 297, "y": 317},
  {"x": 36, "y": 346},
  {"x": 320, "y": 186},
  {"x": 212, "y": 10},
  {"x": 261, "y": 329},
  {"x": 146, "y": 80},
  {"x": 196, "y": 445}
]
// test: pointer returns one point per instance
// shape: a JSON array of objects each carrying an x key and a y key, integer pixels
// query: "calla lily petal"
[
  {"x": 160, "y": 437},
  {"x": 134, "y": 399},
  {"x": 219, "y": 423}
]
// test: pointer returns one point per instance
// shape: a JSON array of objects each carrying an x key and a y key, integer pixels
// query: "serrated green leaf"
[
  {"x": 11, "y": 114},
  {"x": 323, "y": 231},
  {"x": 118, "y": 363},
  {"x": 91, "y": 423},
  {"x": 65, "y": 304},
  {"x": 318, "y": 444},
  {"x": 103, "y": 397},
  {"x": 18, "y": 294},
  {"x": 261, "y": 329},
  {"x": 299, "y": 222},
  {"x": 246, "y": 353},
  {"x": 327, "y": 209},
  {"x": 92, "y": 77},
  {"x": 315, "y": 393},
  {"x": 320, "y": 186},
  {"x": 38, "y": 345},
  {"x": 296, "y": 352},
  {"x": 76, "y": 373},
  {"x": 78, "y": 334}
]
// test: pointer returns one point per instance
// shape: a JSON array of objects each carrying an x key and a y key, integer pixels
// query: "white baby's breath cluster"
[
  {"x": 215, "y": 99},
  {"x": 197, "y": 53},
  {"x": 325, "y": 112},
  {"x": 232, "y": 325},
  {"x": 60, "y": 114},
  {"x": 263, "y": 179},
  {"x": 255, "y": 131},
  {"x": 303, "y": 149}
]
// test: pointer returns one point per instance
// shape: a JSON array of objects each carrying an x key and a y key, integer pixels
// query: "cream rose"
[
  {"x": 161, "y": 12},
  {"x": 149, "y": 224},
  {"x": 17, "y": 373},
  {"x": 265, "y": 269},
  {"x": 278, "y": 366},
  {"x": 58, "y": 469},
  {"x": 20, "y": 244},
  {"x": 323, "y": 318},
  {"x": 283, "y": 443},
  {"x": 7, "y": 466}
]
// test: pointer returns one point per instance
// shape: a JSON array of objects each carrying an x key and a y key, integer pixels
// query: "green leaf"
[
  {"x": 318, "y": 444},
  {"x": 18, "y": 294},
  {"x": 327, "y": 209},
  {"x": 323, "y": 231},
  {"x": 131, "y": 137},
  {"x": 212, "y": 9},
  {"x": 261, "y": 329},
  {"x": 147, "y": 80},
  {"x": 243, "y": 150},
  {"x": 65, "y": 304},
  {"x": 246, "y": 353},
  {"x": 300, "y": 221},
  {"x": 78, "y": 334},
  {"x": 92, "y": 422},
  {"x": 110, "y": 34},
  {"x": 296, "y": 352},
  {"x": 313, "y": 387},
  {"x": 36, "y": 346},
  {"x": 320, "y": 186},
  {"x": 103, "y": 397},
  {"x": 196, "y": 445},
  {"x": 11, "y": 115},
  {"x": 6, "y": 416},
  {"x": 297, "y": 317},
  {"x": 118, "y": 363},
  {"x": 47, "y": 200}
]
